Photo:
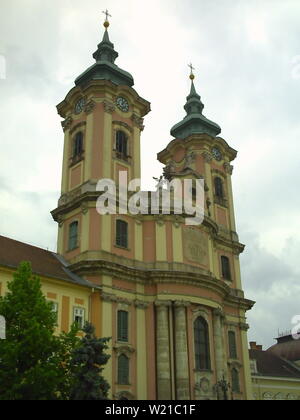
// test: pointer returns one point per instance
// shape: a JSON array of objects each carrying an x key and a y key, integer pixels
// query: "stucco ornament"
[{"x": 204, "y": 385}]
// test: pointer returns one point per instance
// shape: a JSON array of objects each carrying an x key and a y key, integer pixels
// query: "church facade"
[{"x": 169, "y": 295}]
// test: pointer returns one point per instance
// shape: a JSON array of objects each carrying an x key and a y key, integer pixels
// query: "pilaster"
[
  {"x": 163, "y": 364},
  {"x": 181, "y": 352}
]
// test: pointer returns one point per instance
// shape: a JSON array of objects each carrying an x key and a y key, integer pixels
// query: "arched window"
[
  {"x": 226, "y": 273},
  {"x": 78, "y": 145},
  {"x": 235, "y": 380},
  {"x": 219, "y": 190},
  {"x": 201, "y": 336},
  {"x": 232, "y": 345},
  {"x": 122, "y": 326},
  {"x": 73, "y": 236},
  {"x": 121, "y": 145},
  {"x": 122, "y": 234},
  {"x": 123, "y": 370}
]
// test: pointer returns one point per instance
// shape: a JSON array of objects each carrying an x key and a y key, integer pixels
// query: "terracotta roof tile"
[
  {"x": 43, "y": 262},
  {"x": 271, "y": 365}
]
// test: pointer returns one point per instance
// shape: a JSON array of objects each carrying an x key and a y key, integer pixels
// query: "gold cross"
[{"x": 107, "y": 15}]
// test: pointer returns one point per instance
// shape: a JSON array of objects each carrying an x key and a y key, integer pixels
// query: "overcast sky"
[{"x": 247, "y": 59}]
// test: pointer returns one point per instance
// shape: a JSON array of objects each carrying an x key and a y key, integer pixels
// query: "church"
[{"x": 169, "y": 295}]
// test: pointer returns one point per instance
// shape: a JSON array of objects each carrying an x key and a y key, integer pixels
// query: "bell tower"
[{"x": 103, "y": 121}]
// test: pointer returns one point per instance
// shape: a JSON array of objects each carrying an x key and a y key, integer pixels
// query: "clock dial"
[
  {"x": 217, "y": 153},
  {"x": 122, "y": 104},
  {"x": 79, "y": 107}
]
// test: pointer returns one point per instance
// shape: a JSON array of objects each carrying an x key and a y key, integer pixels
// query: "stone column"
[
  {"x": 163, "y": 365},
  {"x": 181, "y": 352},
  {"x": 218, "y": 343}
]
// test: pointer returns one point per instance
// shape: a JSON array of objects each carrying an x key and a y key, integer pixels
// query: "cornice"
[
  {"x": 140, "y": 304},
  {"x": 181, "y": 304},
  {"x": 102, "y": 87},
  {"x": 108, "y": 297},
  {"x": 151, "y": 276},
  {"x": 162, "y": 303},
  {"x": 205, "y": 140}
]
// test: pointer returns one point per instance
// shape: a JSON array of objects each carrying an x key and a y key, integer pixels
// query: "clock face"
[
  {"x": 122, "y": 104},
  {"x": 79, "y": 107},
  {"x": 217, "y": 153}
]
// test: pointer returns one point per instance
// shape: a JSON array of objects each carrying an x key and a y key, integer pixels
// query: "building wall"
[
  {"x": 272, "y": 388},
  {"x": 66, "y": 296},
  {"x": 170, "y": 272}
]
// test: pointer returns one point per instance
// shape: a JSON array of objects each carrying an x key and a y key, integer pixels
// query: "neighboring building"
[
  {"x": 169, "y": 295},
  {"x": 287, "y": 347},
  {"x": 73, "y": 298},
  {"x": 273, "y": 377}
]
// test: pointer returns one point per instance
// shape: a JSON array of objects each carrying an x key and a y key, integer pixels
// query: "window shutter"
[
  {"x": 122, "y": 234},
  {"x": 219, "y": 188},
  {"x": 202, "y": 350},
  {"x": 73, "y": 236},
  {"x": 123, "y": 370},
  {"x": 121, "y": 143},
  {"x": 232, "y": 345},
  {"x": 79, "y": 317},
  {"x": 235, "y": 380},
  {"x": 78, "y": 144},
  {"x": 123, "y": 326},
  {"x": 226, "y": 274}
]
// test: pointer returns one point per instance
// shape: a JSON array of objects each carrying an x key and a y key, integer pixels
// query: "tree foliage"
[
  {"x": 87, "y": 364},
  {"x": 36, "y": 364}
]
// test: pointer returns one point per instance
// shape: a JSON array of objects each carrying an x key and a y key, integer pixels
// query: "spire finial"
[
  {"x": 192, "y": 76},
  {"x": 107, "y": 15}
]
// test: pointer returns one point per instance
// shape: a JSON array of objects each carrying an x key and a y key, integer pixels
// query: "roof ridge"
[{"x": 27, "y": 244}]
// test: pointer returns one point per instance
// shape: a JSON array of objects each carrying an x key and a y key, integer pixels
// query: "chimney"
[{"x": 254, "y": 346}]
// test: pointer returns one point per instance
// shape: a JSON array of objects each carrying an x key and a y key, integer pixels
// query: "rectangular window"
[
  {"x": 121, "y": 145},
  {"x": 78, "y": 145},
  {"x": 123, "y": 326},
  {"x": 235, "y": 381},
  {"x": 123, "y": 370},
  {"x": 232, "y": 345},
  {"x": 73, "y": 236},
  {"x": 79, "y": 317},
  {"x": 55, "y": 309},
  {"x": 122, "y": 234},
  {"x": 226, "y": 273},
  {"x": 201, "y": 337}
]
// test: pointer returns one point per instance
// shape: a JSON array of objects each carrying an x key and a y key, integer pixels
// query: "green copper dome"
[
  {"x": 105, "y": 67},
  {"x": 194, "y": 122}
]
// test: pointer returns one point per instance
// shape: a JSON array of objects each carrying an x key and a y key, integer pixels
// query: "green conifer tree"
[{"x": 87, "y": 364}]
